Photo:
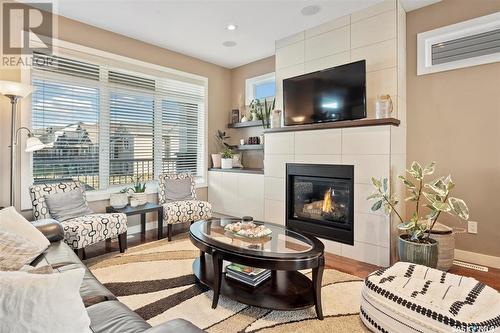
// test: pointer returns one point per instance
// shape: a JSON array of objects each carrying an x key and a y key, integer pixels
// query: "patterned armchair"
[
  {"x": 84, "y": 230},
  {"x": 181, "y": 211}
]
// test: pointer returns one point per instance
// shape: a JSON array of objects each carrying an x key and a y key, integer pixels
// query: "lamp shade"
[
  {"x": 15, "y": 88},
  {"x": 33, "y": 144}
]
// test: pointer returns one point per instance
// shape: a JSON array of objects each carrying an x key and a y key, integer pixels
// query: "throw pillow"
[
  {"x": 12, "y": 221},
  {"x": 177, "y": 189},
  {"x": 64, "y": 206},
  {"x": 17, "y": 251},
  {"x": 42, "y": 302}
]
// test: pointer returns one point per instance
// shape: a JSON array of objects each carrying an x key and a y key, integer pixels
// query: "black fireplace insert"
[{"x": 320, "y": 200}]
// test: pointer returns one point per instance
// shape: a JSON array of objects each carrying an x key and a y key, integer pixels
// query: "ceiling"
[{"x": 198, "y": 27}]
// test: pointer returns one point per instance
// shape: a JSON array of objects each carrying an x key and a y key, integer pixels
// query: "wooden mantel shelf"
[{"x": 337, "y": 124}]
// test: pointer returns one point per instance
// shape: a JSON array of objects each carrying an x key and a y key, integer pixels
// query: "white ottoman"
[{"x": 413, "y": 298}]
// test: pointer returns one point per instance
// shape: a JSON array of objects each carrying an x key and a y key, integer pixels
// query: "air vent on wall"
[{"x": 469, "y": 43}]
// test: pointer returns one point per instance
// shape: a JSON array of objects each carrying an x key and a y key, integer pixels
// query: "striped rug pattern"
[{"x": 156, "y": 281}]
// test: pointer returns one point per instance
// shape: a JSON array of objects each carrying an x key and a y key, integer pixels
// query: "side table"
[{"x": 142, "y": 210}]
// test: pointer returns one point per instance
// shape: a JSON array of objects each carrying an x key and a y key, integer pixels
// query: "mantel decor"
[{"x": 416, "y": 245}]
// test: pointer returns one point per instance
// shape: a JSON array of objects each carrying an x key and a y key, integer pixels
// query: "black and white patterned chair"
[
  {"x": 414, "y": 298},
  {"x": 181, "y": 211},
  {"x": 84, "y": 230}
]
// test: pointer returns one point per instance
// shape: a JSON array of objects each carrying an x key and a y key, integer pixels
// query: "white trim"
[
  {"x": 25, "y": 115},
  {"x": 425, "y": 40},
  {"x": 253, "y": 81},
  {"x": 477, "y": 258}
]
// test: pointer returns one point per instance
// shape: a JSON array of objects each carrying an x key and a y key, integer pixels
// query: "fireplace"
[{"x": 320, "y": 200}]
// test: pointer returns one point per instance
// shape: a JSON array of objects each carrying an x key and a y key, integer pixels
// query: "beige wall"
[
  {"x": 219, "y": 84},
  {"x": 454, "y": 119},
  {"x": 251, "y": 159}
]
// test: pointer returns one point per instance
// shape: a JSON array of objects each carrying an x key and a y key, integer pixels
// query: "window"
[
  {"x": 107, "y": 127},
  {"x": 260, "y": 87},
  {"x": 469, "y": 43}
]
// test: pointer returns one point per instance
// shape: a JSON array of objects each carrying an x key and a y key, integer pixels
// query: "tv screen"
[{"x": 337, "y": 93}]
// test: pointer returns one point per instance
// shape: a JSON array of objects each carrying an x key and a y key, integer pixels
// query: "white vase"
[
  {"x": 216, "y": 160},
  {"x": 139, "y": 199},
  {"x": 118, "y": 200},
  {"x": 227, "y": 163}
]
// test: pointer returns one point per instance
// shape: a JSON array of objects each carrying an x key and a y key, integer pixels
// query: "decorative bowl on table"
[{"x": 248, "y": 230}]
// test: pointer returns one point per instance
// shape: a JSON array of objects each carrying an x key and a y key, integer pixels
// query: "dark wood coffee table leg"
[
  {"x": 317, "y": 277},
  {"x": 217, "y": 264},
  {"x": 160, "y": 223}
]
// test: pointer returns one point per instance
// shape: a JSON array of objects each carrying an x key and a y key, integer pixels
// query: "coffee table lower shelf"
[{"x": 285, "y": 290}]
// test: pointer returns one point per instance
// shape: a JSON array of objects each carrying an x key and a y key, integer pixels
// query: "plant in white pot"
[
  {"x": 227, "y": 159},
  {"x": 221, "y": 138},
  {"x": 415, "y": 244},
  {"x": 137, "y": 192}
]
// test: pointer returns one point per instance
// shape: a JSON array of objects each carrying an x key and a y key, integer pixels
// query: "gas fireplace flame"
[{"x": 327, "y": 202}]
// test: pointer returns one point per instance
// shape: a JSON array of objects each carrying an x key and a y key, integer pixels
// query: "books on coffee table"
[{"x": 251, "y": 276}]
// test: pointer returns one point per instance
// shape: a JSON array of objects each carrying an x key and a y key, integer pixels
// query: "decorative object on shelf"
[
  {"x": 216, "y": 158},
  {"x": 261, "y": 139},
  {"x": 276, "y": 119},
  {"x": 263, "y": 111},
  {"x": 138, "y": 195},
  {"x": 227, "y": 159},
  {"x": 255, "y": 117},
  {"x": 118, "y": 200},
  {"x": 383, "y": 106},
  {"x": 237, "y": 161},
  {"x": 416, "y": 245},
  {"x": 242, "y": 142},
  {"x": 253, "y": 140},
  {"x": 235, "y": 116},
  {"x": 244, "y": 119}
]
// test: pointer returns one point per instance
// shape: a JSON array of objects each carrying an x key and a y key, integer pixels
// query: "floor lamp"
[{"x": 15, "y": 91}]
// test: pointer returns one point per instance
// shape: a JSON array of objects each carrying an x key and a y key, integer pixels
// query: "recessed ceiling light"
[
  {"x": 229, "y": 43},
  {"x": 231, "y": 27},
  {"x": 310, "y": 10}
]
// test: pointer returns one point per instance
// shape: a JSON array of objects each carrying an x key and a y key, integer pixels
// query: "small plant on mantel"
[{"x": 416, "y": 245}]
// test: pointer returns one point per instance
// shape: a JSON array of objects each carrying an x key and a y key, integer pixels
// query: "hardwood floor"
[{"x": 346, "y": 265}]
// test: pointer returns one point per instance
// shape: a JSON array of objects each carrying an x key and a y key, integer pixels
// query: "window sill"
[{"x": 151, "y": 188}]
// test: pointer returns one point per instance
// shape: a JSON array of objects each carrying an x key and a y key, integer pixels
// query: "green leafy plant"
[
  {"x": 221, "y": 138},
  {"x": 227, "y": 153},
  {"x": 138, "y": 187},
  {"x": 263, "y": 111},
  {"x": 435, "y": 193}
]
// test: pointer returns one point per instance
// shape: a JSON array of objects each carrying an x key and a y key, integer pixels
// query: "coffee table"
[{"x": 285, "y": 252}]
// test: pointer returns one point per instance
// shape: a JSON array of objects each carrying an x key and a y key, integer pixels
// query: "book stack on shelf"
[{"x": 251, "y": 276}]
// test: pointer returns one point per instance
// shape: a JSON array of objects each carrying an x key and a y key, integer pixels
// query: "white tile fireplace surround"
[{"x": 377, "y": 151}]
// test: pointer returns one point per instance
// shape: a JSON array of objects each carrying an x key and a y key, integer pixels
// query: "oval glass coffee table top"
[{"x": 279, "y": 243}]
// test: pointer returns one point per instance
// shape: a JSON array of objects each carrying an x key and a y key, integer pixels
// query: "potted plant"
[
  {"x": 118, "y": 200},
  {"x": 221, "y": 138},
  {"x": 138, "y": 192},
  {"x": 415, "y": 244},
  {"x": 227, "y": 159}
]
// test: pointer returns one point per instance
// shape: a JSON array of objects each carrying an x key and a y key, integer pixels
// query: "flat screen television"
[{"x": 337, "y": 93}]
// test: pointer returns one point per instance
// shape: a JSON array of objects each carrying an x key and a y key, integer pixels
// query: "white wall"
[{"x": 376, "y": 34}]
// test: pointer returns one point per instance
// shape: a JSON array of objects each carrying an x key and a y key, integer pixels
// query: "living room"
[{"x": 213, "y": 166}]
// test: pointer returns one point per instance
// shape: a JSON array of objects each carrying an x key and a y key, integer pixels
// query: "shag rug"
[{"x": 156, "y": 281}]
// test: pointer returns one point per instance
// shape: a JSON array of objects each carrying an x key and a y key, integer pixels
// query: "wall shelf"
[
  {"x": 249, "y": 147},
  {"x": 246, "y": 124}
]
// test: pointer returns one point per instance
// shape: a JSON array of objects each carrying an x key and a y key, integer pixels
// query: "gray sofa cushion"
[{"x": 67, "y": 205}]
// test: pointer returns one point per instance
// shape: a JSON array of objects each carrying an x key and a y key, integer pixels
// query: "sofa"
[{"x": 106, "y": 313}]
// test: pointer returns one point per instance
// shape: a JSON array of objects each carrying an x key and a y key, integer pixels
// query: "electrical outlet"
[{"x": 472, "y": 227}]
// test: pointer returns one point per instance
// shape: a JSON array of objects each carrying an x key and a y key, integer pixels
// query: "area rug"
[{"x": 156, "y": 281}]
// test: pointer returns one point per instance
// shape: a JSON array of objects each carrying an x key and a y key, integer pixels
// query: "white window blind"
[{"x": 103, "y": 125}]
